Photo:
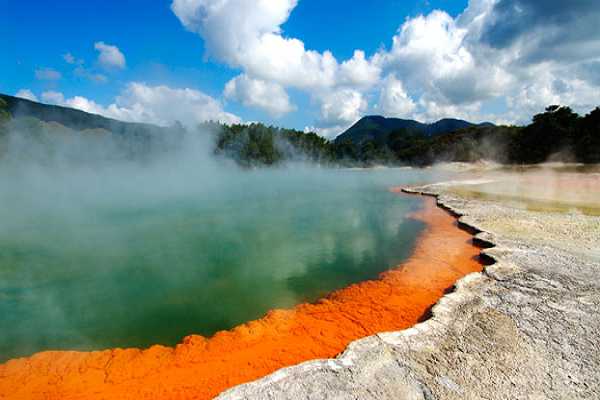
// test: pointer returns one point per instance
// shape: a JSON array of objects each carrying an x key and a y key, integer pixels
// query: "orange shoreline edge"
[{"x": 201, "y": 368}]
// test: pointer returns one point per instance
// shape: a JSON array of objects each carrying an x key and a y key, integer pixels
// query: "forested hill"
[
  {"x": 71, "y": 118},
  {"x": 249, "y": 145},
  {"x": 556, "y": 134},
  {"x": 379, "y": 128}
]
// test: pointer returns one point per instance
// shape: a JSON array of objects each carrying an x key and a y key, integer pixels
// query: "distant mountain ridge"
[
  {"x": 376, "y": 127},
  {"x": 374, "y": 140},
  {"x": 368, "y": 128},
  {"x": 70, "y": 117}
]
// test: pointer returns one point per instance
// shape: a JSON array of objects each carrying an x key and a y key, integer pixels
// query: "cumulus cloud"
[
  {"x": 248, "y": 35},
  {"x": 514, "y": 50},
  {"x": 342, "y": 107},
  {"x": 545, "y": 30},
  {"x": 110, "y": 56},
  {"x": 268, "y": 96},
  {"x": 358, "y": 71},
  {"x": 434, "y": 56},
  {"x": 26, "y": 94},
  {"x": 329, "y": 132},
  {"x": 161, "y": 105},
  {"x": 47, "y": 74},
  {"x": 433, "y": 41},
  {"x": 432, "y": 110},
  {"x": 393, "y": 99},
  {"x": 551, "y": 87},
  {"x": 520, "y": 53}
]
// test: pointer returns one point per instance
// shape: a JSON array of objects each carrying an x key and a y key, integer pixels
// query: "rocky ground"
[{"x": 528, "y": 327}]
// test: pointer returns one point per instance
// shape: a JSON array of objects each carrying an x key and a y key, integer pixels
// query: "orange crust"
[{"x": 200, "y": 368}]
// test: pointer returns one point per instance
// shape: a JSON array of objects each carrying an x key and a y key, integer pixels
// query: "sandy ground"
[{"x": 200, "y": 368}]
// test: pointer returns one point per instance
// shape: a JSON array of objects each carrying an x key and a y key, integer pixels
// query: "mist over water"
[{"x": 98, "y": 250}]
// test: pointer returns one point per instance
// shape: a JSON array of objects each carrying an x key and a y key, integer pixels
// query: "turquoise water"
[{"x": 90, "y": 261}]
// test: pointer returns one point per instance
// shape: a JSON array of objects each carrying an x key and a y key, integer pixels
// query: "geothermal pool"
[{"x": 133, "y": 257}]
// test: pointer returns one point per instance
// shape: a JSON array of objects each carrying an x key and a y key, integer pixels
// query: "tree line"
[{"x": 556, "y": 134}]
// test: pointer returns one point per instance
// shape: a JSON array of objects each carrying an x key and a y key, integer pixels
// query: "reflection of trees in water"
[
  {"x": 346, "y": 266},
  {"x": 136, "y": 276}
]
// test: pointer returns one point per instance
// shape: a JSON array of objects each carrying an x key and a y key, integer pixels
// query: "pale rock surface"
[{"x": 528, "y": 327}]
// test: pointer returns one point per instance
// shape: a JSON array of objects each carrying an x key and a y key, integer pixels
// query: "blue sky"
[{"x": 427, "y": 74}]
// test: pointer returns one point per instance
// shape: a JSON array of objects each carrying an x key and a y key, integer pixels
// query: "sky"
[{"x": 305, "y": 64}]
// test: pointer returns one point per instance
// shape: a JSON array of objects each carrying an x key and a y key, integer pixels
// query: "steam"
[
  {"x": 67, "y": 194},
  {"x": 553, "y": 186},
  {"x": 113, "y": 239}
]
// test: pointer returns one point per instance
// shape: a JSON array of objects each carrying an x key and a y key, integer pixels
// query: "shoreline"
[
  {"x": 201, "y": 368},
  {"x": 525, "y": 327}
]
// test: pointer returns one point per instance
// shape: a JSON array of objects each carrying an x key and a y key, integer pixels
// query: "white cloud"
[
  {"x": 433, "y": 41},
  {"x": 47, "y": 74},
  {"x": 78, "y": 102},
  {"x": 83, "y": 72},
  {"x": 432, "y": 55},
  {"x": 161, "y": 105},
  {"x": 547, "y": 87},
  {"x": 71, "y": 59},
  {"x": 164, "y": 105},
  {"x": 440, "y": 66},
  {"x": 268, "y": 96},
  {"x": 358, "y": 71},
  {"x": 110, "y": 56},
  {"x": 248, "y": 35},
  {"x": 329, "y": 132},
  {"x": 87, "y": 105},
  {"x": 88, "y": 74},
  {"x": 342, "y": 107},
  {"x": 431, "y": 110},
  {"x": 26, "y": 94},
  {"x": 393, "y": 99},
  {"x": 454, "y": 67}
]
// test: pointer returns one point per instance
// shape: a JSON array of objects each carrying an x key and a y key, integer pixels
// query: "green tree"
[
  {"x": 345, "y": 151},
  {"x": 551, "y": 132},
  {"x": 587, "y": 148}
]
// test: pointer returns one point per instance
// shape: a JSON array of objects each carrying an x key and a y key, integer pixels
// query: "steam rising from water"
[
  {"x": 556, "y": 187},
  {"x": 100, "y": 248}
]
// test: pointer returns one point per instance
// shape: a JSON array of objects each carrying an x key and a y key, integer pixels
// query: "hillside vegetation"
[
  {"x": 556, "y": 134},
  {"x": 379, "y": 128}
]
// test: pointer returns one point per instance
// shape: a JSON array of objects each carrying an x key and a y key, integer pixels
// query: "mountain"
[
  {"x": 378, "y": 128},
  {"x": 55, "y": 130},
  {"x": 373, "y": 140},
  {"x": 72, "y": 118},
  {"x": 75, "y": 134}
]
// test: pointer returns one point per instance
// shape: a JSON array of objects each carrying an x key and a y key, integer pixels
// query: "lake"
[{"x": 132, "y": 257}]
